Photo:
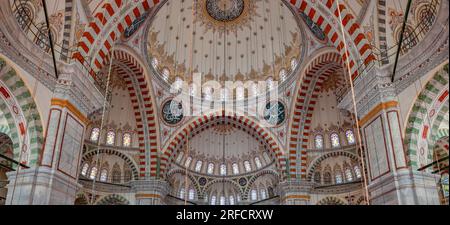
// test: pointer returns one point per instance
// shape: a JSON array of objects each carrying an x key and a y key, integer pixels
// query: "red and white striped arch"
[
  {"x": 115, "y": 16},
  {"x": 141, "y": 100},
  {"x": 315, "y": 74},
  {"x": 170, "y": 150}
]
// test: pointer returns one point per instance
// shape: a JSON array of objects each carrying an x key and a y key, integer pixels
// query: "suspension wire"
[
  {"x": 105, "y": 100},
  {"x": 354, "y": 105}
]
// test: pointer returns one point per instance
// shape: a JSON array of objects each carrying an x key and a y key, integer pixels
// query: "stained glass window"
[
  {"x": 357, "y": 171},
  {"x": 198, "y": 166},
  {"x": 188, "y": 162},
  {"x": 182, "y": 193},
  {"x": 258, "y": 163},
  {"x": 247, "y": 166},
  {"x": 231, "y": 200},
  {"x": 235, "y": 169},
  {"x": 223, "y": 170},
  {"x": 126, "y": 140},
  {"x": 254, "y": 195},
  {"x": 191, "y": 194},
  {"x": 240, "y": 93},
  {"x": 318, "y": 141},
  {"x": 84, "y": 169},
  {"x": 95, "y": 134},
  {"x": 348, "y": 175},
  {"x": 210, "y": 168},
  {"x": 350, "y": 137},
  {"x": 338, "y": 178},
  {"x": 93, "y": 173},
  {"x": 213, "y": 200},
  {"x": 104, "y": 175},
  {"x": 335, "y": 140},
  {"x": 110, "y": 136}
]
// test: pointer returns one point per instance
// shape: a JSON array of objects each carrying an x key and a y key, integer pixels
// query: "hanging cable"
[{"x": 354, "y": 103}]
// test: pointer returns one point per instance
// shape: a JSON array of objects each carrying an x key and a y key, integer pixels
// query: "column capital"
[
  {"x": 295, "y": 192},
  {"x": 150, "y": 192},
  {"x": 78, "y": 88}
]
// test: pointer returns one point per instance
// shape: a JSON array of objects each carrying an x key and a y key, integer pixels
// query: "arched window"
[
  {"x": 191, "y": 194},
  {"x": 165, "y": 74},
  {"x": 198, "y": 166},
  {"x": 222, "y": 200},
  {"x": 127, "y": 175},
  {"x": 444, "y": 185},
  {"x": 318, "y": 141},
  {"x": 180, "y": 157},
  {"x": 327, "y": 178},
  {"x": 258, "y": 163},
  {"x": 247, "y": 166},
  {"x": 283, "y": 74},
  {"x": 231, "y": 199},
  {"x": 238, "y": 198},
  {"x": 357, "y": 171},
  {"x": 182, "y": 193},
  {"x": 235, "y": 169},
  {"x": 350, "y": 137},
  {"x": 263, "y": 194},
  {"x": 84, "y": 170},
  {"x": 210, "y": 169},
  {"x": 95, "y": 133},
  {"x": 348, "y": 175},
  {"x": 223, "y": 170},
  {"x": 294, "y": 64},
  {"x": 317, "y": 177},
  {"x": 104, "y": 175},
  {"x": 338, "y": 178},
  {"x": 254, "y": 195},
  {"x": 110, "y": 137},
  {"x": 213, "y": 200},
  {"x": 335, "y": 140},
  {"x": 270, "y": 83},
  {"x": 126, "y": 140},
  {"x": 93, "y": 173},
  {"x": 116, "y": 173},
  {"x": 240, "y": 92},
  {"x": 188, "y": 162},
  {"x": 155, "y": 62},
  {"x": 24, "y": 16}
]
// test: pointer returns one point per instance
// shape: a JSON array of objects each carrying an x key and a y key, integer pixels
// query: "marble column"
[
  {"x": 54, "y": 181},
  {"x": 295, "y": 193},
  {"x": 150, "y": 192},
  {"x": 391, "y": 181}
]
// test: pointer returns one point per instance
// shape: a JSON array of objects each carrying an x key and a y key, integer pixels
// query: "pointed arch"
[
  {"x": 424, "y": 118},
  {"x": 21, "y": 114},
  {"x": 324, "y": 64},
  {"x": 264, "y": 135},
  {"x": 133, "y": 72}
]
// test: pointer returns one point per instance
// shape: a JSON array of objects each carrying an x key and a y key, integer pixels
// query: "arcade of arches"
[{"x": 227, "y": 102}]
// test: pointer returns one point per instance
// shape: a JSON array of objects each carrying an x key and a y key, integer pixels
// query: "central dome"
[
  {"x": 224, "y": 40},
  {"x": 225, "y": 10}
]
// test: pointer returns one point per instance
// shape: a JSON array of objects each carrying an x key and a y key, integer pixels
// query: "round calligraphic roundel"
[
  {"x": 275, "y": 113},
  {"x": 225, "y": 10},
  {"x": 172, "y": 112},
  {"x": 202, "y": 181},
  {"x": 242, "y": 182}
]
